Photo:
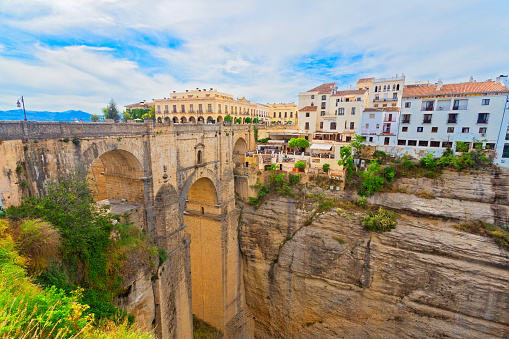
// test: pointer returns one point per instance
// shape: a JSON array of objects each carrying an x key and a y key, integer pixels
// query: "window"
[
  {"x": 447, "y": 144},
  {"x": 324, "y": 97},
  {"x": 359, "y": 99},
  {"x": 412, "y": 142},
  {"x": 158, "y": 109},
  {"x": 404, "y": 129},
  {"x": 376, "y": 105},
  {"x": 226, "y": 109},
  {"x": 394, "y": 96},
  {"x": 465, "y": 130},
  {"x": 377, "y": 126},
  {"x": 376, "y": 89},
  {"x": 371, "y": 139},
  {"x": 485, "y": 102},
  {"x": 306, "y": 126},
  {"x": 323, "y": 105},
  {"x": 482, "y": 130},
  {"x": 482, "y": 118},
  {"x": 406, "y": 119},
  {"x": 200, "y": 108},
  {"x": 353, "y": 110},
  {"x": 384, "y": 105},
  {"x": 352, "y": 125},
  {"x": 419, "y": 129},
  {"x": 427, "y": 105},
  {"x": 198, "y": 160},
  {"x": 434, "y": 143},
  {"x": 434, "y": 129},
  {"x": 165, "y": 108},
  {"x": 401, "y": 142},
  {"x": 307, "y": 115},
  {"x": 386, "y": 140},
  {"x": 280, "y": 114},
  {"x": 385, "y": 88},
  {"x": 490, "y": 145},
  {"x": 218, "y": 108},
  {"x": 275, "y": 114},
  {"x": 367, "y": 126},
  {"x": 397, "y": 87},
  {"x": 312, "y": 104},
  {"x": 372, "y": 116},
  {"x": 450, "y": 129},
  {"x": 209, "y": 108},
  {"x": 321, "y": 124},
  {"x": 453, "y": 118},
  {"x": 505, "y": 152},
  {"x": 341, "y": 111},
  {"x": 174, "y": 108},
  {"x": 291, "y": 114},
  {"x": 191, "y": 109},
  {"x": 322, "y": 113},
  {"x": 423, "y": 143},
  {"x": 312, "y": 97},
  {"x": 183, "y": 108},
  {"x": 286, "y": 114},
  {"x": 377, "y": 97},
  {"x": 393, "y": 87},
  {"x": 427, "y": 119},
  {"x": 332, "y": 125}
]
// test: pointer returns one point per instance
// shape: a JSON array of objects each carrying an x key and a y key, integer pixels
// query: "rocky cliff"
[{"x": 332, "y": 279}]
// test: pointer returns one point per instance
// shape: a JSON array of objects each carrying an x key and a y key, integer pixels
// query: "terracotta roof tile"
[
  {"x": 324, "y": 88},
  {"x": 461, "y": 88},
  {"x": 308, "y": 109},
  {"x": 349, "y": 92},
  {"x": 365, "y": 80}
]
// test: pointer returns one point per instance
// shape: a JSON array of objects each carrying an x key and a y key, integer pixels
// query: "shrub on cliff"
[{"x": 380, "y": 221}]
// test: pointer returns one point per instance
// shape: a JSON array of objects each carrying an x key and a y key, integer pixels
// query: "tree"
[
  {"x": 126, "y": 116},
  {"x": 249, "y": 120},
  {"x": 256, "y": 120},
  {"x": 358, "y": 144},
  {"x": 95, "y": 117},
  {"x": 326, "y": 167},
  {"x": 300, "y": 164},
  {"x": 238, "y": 120},
  {"x": 346, "y": 160},
  {"x": 228, "y": 118},
  {"x": 371, "y": 180},
  {"x": 138, "y": 113},
  {"x": 111, "y": 111},
  {"x": 298, "y": 142}
]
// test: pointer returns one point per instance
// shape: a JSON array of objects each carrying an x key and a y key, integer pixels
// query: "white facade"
[
  {"x": 383, "y": 92},
  {"x": 436, "y": 116},
  {"x": 380, "y": 126}
]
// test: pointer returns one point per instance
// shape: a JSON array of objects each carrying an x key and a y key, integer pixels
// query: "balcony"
[
  {"x": 390, "y": 119},
  {"x": 385, "y": 99},
  {"x": 482, "y": 121},
  {"x": 427, "y": 108},
  {"x": 405, "y": 121},
  {"x": 452, "y": 121},
  {"x": 443, "y": 108},
  {"x": 426, "y": 121}
]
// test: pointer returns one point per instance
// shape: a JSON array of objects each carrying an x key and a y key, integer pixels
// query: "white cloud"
[{"x": 250, "y": 48}]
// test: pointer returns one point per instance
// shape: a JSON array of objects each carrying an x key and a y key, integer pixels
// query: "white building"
[
  {"x": 436, "y": 116},
  {"x": 380, "y": 125},
  {"x": 383, "y": 92}
]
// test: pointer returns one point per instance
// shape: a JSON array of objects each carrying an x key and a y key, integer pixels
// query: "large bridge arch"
[{"x": 202, "y": 217}]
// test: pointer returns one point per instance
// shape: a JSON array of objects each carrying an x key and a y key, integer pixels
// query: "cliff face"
[{"x": 332, "y": 279}]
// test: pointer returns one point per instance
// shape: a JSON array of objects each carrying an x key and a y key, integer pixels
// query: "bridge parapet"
[{"x": 14, "y": 130}]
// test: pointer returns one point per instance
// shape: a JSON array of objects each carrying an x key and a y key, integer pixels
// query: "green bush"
[
  {"x": 380, "y": 221},
  {"x": 293, "y": 178},
  {"x": 326, "y": 167},
  {"x": 371, "y": 180},
  {"x": 389, "y": 174},
  {"x": 362, "y": 202},
  {"x": 253, "y": 201},
  {"x": 300, "y": 164}
]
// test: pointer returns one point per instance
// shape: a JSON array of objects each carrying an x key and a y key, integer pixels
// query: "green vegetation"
[
  {"x": 248, "y": 120},
  {"x": 95, "y": 117},
  {"x": 238, "y": 121},
  {"x": 300, "y": 164},
  {"x": 256, "y": 120},
  {"x": 298, "y": 142},
  {"x": 372, "y": 181},
  {"x": 228, "y": 118},
  {"x": 326, "y": 167},
  {"x": 264, "y": 140},
  {"x": 76, "y": 141},
  {"x": 497, "y": 233},
  {"x": 362, "y": 202},
  {"x": 92, "y": 251},
  {"x": 111, "y": 111},
  {"x": 380, "y": 221},
  {"x": 202, "y": 330},
  {"x": 27, "y": 310},
  {"x": 255, "y": 131},
  {"x": 126, "y": 116}
]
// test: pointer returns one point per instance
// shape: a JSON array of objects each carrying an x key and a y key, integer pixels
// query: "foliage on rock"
[{"x": 380, "y": 221}]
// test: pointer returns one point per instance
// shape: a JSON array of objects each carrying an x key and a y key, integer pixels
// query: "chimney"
[
  {"x": 187, "y": 90},
  {"x": 439, "y": 85},
  {"x": 471, "y": 79},
  {"x": 497, "y": 80}
]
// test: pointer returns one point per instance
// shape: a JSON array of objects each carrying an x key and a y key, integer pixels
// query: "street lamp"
[{"x": 19, "y": 105}]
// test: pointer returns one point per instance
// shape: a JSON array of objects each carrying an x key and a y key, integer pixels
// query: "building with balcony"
[
  {"x": 284, "y": 113},
  {"x": 382, "y": 92},
  {"x": 380, "y": 125},
  {"x": 437, "y": 116},
  {"x": 206, "y": 106}
]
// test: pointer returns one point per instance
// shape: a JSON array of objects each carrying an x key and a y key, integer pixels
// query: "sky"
[{"x": 78, "y": 54}]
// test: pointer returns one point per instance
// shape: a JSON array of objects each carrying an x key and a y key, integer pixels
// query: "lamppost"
[{"x": 19, "y": 105}]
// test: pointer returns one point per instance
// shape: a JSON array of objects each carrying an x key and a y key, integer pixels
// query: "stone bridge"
[{"x": 180, "y": 180}]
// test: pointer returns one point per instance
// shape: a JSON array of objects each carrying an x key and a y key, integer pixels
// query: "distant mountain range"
[{"x": 17, "y": 114}]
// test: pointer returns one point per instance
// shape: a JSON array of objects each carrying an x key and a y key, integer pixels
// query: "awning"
[
  {"x": 276, "y": 141},
  {"x": 321, "y": 147}
]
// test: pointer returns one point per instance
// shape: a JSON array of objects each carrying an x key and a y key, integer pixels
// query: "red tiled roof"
[
  {"x": 365, "y": 80},
  {"x": 381, "y": 109},
  {"x": 349, "y": 92},
  {"x": 308, "y": 109},
  {"x": 461, "y": 88},
  {"x": 323, "y": 88},
  {"x": 140, "y": 105}
]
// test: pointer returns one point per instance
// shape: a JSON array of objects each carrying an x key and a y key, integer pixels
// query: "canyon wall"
[{"x": 425, "y": 279}]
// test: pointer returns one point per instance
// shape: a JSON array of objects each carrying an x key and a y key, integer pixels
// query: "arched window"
[
  {"x": 202, "y": 210},
  {"x": 376, "y": 88},
  {"x": 199, "y": 158},
  {"x": 397, "y": 87}
]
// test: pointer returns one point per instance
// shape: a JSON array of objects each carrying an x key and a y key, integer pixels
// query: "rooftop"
[
  {"x": 349, "y": 92},
  {"x": 461, "y": 88},
  {"x": 308, "y": 109},
  {"x": 362, "y": 80},
  {"x": 324, "y": 88}
]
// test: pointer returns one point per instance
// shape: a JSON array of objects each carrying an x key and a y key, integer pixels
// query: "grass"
[
  {"x": 203, "y": 330},
  {"x": 499, "y": 234}
]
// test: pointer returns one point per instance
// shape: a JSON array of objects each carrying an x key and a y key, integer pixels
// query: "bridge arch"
[
  {"x": 202, "y": 217},
  {"x": 239, "y": 152},
  {"x": 118, "y": 175}
]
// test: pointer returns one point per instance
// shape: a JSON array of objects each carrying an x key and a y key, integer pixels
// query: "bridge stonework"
[{"x": 182, "y": 178}]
